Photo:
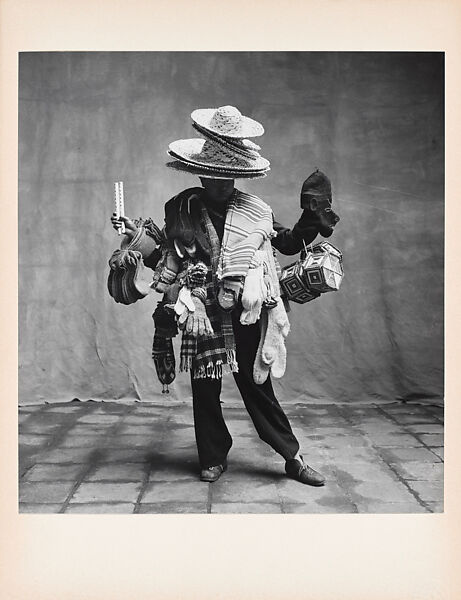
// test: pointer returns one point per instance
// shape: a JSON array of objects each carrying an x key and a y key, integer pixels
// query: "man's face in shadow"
[{"x": 218, "y": 189}]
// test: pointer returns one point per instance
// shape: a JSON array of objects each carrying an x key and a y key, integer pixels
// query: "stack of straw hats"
[{"x": 224, "y": 151}]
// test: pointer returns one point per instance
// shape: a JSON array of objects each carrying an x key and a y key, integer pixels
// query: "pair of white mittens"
[{"x": 272, "y": 355}]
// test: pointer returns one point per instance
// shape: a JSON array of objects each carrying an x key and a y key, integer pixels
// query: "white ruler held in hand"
[{"x": 119, "y": 204}]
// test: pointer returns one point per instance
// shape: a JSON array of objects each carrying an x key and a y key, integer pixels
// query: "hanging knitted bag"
[{"x": 318, "y": 270}]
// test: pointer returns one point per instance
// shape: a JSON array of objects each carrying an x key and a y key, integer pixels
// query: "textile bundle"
[
  {"x": 245, "y": 252},
  {"x": 125, "y": 283}
]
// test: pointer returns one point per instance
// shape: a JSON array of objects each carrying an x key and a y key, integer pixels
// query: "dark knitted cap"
[{"x": 317, "y": 187}]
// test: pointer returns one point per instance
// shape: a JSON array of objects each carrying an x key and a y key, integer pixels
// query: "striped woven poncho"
[{"x": 248, "y": 224}]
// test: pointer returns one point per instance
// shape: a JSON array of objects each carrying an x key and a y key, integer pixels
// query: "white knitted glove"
[
  {"x": 184, "y": 301},
  {"x": 197, "y": 323},
  {"x": 254, "y": 294}
]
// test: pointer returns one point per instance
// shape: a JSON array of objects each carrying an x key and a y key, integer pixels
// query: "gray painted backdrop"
[{"x": 372, "y": 121}]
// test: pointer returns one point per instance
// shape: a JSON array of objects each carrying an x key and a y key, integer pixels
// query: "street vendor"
[{"x": 214, "y": 262}]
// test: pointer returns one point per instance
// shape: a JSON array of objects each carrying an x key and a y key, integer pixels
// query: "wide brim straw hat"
[
  {"x": 227, "y": 121},
  {"x": 210, "y": 173},
  {"x": 208, "y": 153},
  {"x": 244, "y": 147}
]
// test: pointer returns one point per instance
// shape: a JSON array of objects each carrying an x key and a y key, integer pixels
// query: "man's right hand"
[{"x": 130, "y": 227}]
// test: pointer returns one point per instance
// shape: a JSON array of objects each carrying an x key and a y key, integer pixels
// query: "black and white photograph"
[{"x": 231, "y": 282}]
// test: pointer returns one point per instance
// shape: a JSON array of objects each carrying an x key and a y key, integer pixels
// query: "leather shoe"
[
  {"x": 211, "y": 474},
  {"x": 297, "y": 469}
]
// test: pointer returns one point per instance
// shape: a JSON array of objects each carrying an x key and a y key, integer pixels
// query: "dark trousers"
[{"x": 213, "y": 438}]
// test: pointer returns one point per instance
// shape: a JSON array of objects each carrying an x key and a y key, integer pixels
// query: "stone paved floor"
[{"x": 87, "y": 457}]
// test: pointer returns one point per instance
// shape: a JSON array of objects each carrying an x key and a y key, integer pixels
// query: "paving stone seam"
[
  {"x": 423, "y": 443},
  {"x": 78, "y": 480},
  {"x": 433, "y": 413},
  {"x": 55, "y": 437},
  {"x": 387, "y": 464},
  {"x": 394, "y": 420},
  {"x": 149, "y": 468},
  {"x": 110, "y": 430},
  {"x": 111, "y": 502},
  {"x": 406, "y": 484},
  {"x": 439, "y": 456},
  {"x": 144, "y": 484},
  {"x": 91, "y": 465},
  {"x": 26, "y": 470},
  {"x": 366, "y": 435}
]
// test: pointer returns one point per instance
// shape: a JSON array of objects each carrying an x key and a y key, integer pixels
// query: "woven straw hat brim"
[
  {"x": 246, "y": 128},
  {"x": 216, "y": 168},
  {"x": 200, "y": 171},
  {"x": 209, "y": 154}
]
